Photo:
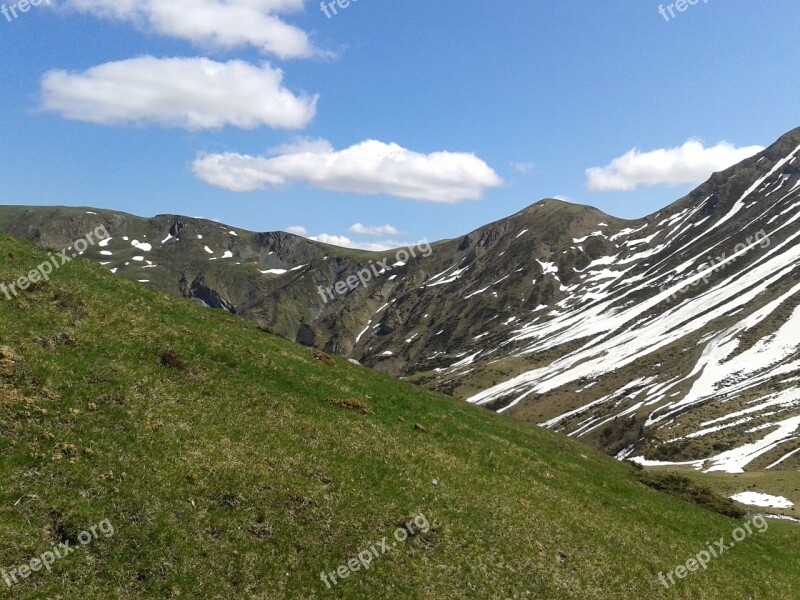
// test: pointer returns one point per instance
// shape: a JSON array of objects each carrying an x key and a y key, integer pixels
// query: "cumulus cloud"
[
  {"x": 334, "y": 240},
  {"x": 360, "y": 229},
  {"x": 297, "y": 230},
  {"x": 370, "y": 167},
  {"x": 690, "y": 163},
  {"x": 219, "y": 23},
  {"x": 191, "y": 93}
]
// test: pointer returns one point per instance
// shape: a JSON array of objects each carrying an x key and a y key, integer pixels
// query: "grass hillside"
[{"x": 234, "y": 464}]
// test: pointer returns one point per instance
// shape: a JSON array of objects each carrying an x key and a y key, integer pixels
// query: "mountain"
[
  {"x": 170, "y": 451},
  {"x": 668, "y": 339},
  {"x": 681, "y": 344}
]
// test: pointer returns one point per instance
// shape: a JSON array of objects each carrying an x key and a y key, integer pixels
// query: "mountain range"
[{"x": 667, "y": 340}]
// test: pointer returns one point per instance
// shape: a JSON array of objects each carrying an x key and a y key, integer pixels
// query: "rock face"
[
  {"x": 176, "y": 229},
  {"x": 200, "y": 291},
  {"x": 673, "y": 337},
  {"x": 305, "y": 336}
]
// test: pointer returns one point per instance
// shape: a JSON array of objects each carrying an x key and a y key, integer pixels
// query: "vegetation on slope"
[{"x": 234, "y": 464}]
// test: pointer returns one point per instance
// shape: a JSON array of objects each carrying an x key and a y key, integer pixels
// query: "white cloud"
[
  {"x": 523, "y": 167},
  {"x": 370, "y": 167},
  {"x": 346, "y": 242},
  {"x": 334, "y": 240},
  {"x": 297, "y": 230},
  {"x": 192, "y": 93},
  {"x": 360, "y": 229},
  {"x": 690, "y": 163},
  {"x": 219, "y": 23}
]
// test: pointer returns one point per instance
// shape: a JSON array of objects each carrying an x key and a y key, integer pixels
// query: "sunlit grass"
[{"x": 234, "y": 464}]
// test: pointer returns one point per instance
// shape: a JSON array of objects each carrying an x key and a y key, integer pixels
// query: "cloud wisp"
[
  {"x": 297, "y": 230},
  {"x": 360, "y": 229},
  {"x": 523, "y": 167},
  {"x": 345, "y": 242},
  {"x": 691, "y": 163}
]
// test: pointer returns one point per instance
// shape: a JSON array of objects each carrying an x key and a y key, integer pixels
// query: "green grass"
[{"x": 234, "y": 464}]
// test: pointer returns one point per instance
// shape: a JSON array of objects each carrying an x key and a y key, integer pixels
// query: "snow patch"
[{"x": 763, "y": 500}]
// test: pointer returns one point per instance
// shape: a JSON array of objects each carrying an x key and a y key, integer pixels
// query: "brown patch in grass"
[
  {"x": 228, "y": 500},
  {"x": 325, "y": 359},
  {"x": 60, "y": 339},
  {"x": 10, "y": 396},
  {"x": 6, "y": 369},
  {"x": 7, "y": 353},
  {"x": 364, "y": 409},
  {"x": 110, "y": 399},
  {"x": 418, "y": 539},
  {"x": 260, "y": 531},
  {"x": 8, "y": 360},
  {"x": 69, "y": 302},
  {"x": 171, "y": 360},
  {"x": 63, "y": 531}
]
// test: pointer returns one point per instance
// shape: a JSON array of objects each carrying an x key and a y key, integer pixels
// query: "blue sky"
[{"x": 432, "y": 117}]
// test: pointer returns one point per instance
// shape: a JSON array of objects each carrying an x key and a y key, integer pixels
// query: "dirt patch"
[
  {"x": 324, "y": 358},
  {"x": 8, "y": 361},
  {"x": 363, "y": 408},
  {"x": 171, "y": 360}
]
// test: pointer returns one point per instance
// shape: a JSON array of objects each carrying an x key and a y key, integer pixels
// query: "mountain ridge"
[{"x": 541, "y": 294}]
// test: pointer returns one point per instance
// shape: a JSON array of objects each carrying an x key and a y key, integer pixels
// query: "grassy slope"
[{"x": 236, "y": 475}]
